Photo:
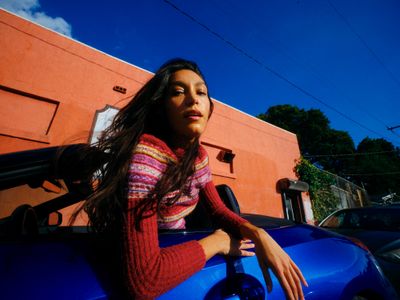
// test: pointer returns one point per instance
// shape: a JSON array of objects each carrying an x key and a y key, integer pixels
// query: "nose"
[{"x": 191, "y": 98}]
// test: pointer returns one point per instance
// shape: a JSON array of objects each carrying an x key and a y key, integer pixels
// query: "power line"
[
  {"x": 373, "y": 174},
  {"x": 351, "y": 154},
  {"x": 280, "y": 76},
  {"x": 372, "y": 52},
  {"x": 364, "y": 43},
  {"x": 307, "y": 66}
]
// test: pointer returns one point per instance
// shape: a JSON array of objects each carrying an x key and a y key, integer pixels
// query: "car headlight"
[{"x": 392, "y": 256}]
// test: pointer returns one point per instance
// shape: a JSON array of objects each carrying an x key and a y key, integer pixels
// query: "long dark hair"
[{"x": 145, "y": 113}]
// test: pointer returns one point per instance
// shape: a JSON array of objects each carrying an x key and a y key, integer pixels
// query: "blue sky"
[{"x": 340, "y": 56}]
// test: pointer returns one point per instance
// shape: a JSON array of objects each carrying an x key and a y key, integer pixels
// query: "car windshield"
[
  {"x": 41, "y": 189},
  {"x": 368, "y": 219},
  {"x": 43, "y": 203}
]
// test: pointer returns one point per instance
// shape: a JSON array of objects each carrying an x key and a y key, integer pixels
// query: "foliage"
[
  {"x": 379, "y": 161},
  {"x": 323, "y": 146},
  {"x": 322, "y": 198},
  {"x": 314, "y": 134}
]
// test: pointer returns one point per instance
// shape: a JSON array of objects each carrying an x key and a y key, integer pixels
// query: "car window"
[
  {"x": 17, "y": 203},
  {"x": 343, "y": 219},
  {"x": 335, "y": 221},
  {"x": 14, "y": 197},
  {"x": 368, "y": 219},
  {"x": 380, "y": 219},
  {"x": 352, "y": 220}
]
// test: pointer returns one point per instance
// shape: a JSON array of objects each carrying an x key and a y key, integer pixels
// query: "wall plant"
[{"x": 323, "y": 200}]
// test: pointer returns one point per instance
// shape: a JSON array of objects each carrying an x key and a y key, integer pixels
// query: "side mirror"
[{"x": 54, "y": 219}]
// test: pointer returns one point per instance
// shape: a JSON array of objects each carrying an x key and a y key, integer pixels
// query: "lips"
[{"x": 192, "y": 114}]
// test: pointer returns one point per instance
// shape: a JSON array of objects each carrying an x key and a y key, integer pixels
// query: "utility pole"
[{"x": 393, "y": 128}]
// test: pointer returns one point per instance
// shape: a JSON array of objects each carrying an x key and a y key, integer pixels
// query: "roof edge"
[{"x": 74, "y": 40}]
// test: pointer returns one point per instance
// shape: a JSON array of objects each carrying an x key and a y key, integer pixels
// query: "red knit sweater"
[{"x": 151, "y": 270}]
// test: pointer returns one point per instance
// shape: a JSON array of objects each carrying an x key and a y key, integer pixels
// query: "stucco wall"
[
  {"x": 70, "y": 79},
  {"x": 51, "y": 86}
]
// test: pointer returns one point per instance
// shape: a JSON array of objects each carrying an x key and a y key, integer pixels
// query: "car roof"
[{"x": 369, "y": 208}]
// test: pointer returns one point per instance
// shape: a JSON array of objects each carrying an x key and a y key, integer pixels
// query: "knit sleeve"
[
  {"x": 151, "y": 270},
  {"x": 226, "y": 218}
]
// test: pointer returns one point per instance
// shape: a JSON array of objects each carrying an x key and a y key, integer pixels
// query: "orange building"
[{"x": 52, "y": 86}]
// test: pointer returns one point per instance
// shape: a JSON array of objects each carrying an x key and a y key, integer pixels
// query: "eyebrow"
[{"x": 182, "y": 84}]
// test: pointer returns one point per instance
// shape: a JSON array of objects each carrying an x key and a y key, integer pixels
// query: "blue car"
[{"x": 42, "y": 257}]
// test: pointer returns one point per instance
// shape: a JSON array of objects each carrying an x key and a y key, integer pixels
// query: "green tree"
[
  {"x": 315, "y": 136},
  {"x": 379, "y": 173},
  {"x": 338, "y": 142},
  {"x": 377, "y": 166}
]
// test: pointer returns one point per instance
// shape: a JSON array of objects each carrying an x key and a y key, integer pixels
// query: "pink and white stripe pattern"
[{"x": 148, "y": 164}]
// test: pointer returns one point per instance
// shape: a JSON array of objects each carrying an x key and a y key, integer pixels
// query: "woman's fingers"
[
  {"x": 294, "y": 283},
  {"x": 290, "y": 281},
  {"x": 298, "y": 283},
  {"x": 286, "y": 271},
  {"x": 246, "y": 245},
  {"x": 271, "y": 256},
  {"x": 239, "y": 247},
  {"x": 246, "y": 253},
  {"x": 242, "y": 250},
  {"x": 265, "y": 271},
  {"x": 299, "y": 274},
  {"x": 245, "y": 241},
  {"x": 287, "y": 288}
]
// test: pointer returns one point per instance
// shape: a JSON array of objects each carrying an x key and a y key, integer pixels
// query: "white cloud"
[{"x": 30, "y": 9}]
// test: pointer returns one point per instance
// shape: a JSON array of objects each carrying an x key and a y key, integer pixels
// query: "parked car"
[
  {"x": 378, "y": 227},
  {"x": 44, "y": 257}
]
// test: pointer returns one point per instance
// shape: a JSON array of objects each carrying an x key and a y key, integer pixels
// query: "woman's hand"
[
  {"x": 271, "y": 256},
  {"x": 231, "y": 246},
  {"x": 222, "y": 243}
]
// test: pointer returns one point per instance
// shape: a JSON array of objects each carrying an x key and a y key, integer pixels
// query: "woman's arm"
[
  {"x": 152, "y": 270},
  {"x": 222, "y": 243},
  {"x": 149, "y": 269},
  {"x": 271, "y": 256}
]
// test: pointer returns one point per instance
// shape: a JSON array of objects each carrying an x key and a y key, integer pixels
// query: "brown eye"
[
  {"x": 202, "y": 92},
  {"x": 177, "y": 92}
]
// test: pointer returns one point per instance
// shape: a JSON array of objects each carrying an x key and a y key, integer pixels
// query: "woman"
[{"x": 152, "y": 179}]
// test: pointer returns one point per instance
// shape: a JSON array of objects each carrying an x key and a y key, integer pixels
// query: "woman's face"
[{"x": 187, "y": 106}]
